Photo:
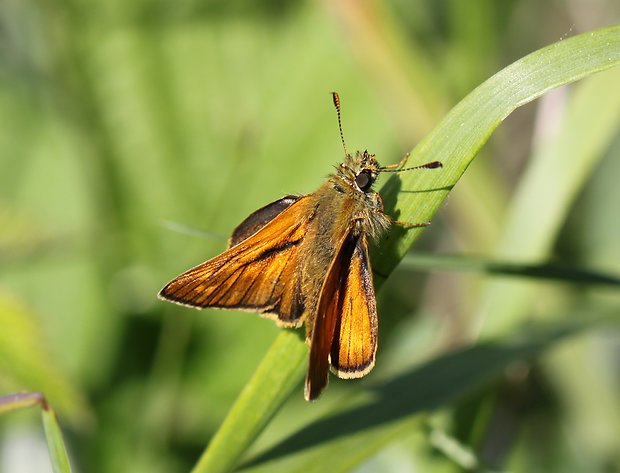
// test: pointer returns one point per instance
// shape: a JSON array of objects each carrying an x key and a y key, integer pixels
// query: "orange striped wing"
[
  {"x": 260, "y": 273},
  {"x": 354, "y": 345},
  {"x": 345, "y": 329}
]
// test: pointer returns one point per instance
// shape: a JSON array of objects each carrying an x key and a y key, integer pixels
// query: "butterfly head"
[{"x": 361, "y": 170}]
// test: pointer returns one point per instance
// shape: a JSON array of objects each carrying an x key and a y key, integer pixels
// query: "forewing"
[
  {"x": 259, "y": 273},
  {"x": 259, "y": 218},
  {"x": 355, "y": 340}
]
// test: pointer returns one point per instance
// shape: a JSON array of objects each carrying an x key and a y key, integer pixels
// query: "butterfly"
[{"x": 303, "y": 260}]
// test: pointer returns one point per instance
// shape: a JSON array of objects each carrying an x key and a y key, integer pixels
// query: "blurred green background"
[{"x": 136, "y": 135}]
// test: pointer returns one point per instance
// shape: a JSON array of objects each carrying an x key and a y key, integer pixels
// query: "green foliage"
[
  {"x": 124, "y": 122},
  {"x": 53, "y": 434},
  {"x": 26, "y": 364},
  {"x": 468, "y": 126}
]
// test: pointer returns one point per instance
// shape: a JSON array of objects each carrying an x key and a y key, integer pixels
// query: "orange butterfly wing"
[
  {"x": 259, "y": 273},
  {"x": 345, "y": 330},
  {"x": 354, "y": 346},
  {"x": 259, "y": 218}
]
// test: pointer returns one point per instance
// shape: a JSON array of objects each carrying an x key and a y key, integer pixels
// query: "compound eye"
[{"x": 364, "y": 180}]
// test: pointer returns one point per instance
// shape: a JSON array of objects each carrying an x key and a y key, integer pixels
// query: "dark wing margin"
[
  {"x": 340, "y": 296},
  {"x": 345, "y": 330},
  {"x": 260, "y": 273}
]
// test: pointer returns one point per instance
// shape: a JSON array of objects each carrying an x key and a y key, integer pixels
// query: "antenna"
[
  {"x": 431, "y": 165},
  {"x": 336, "y": 98}
]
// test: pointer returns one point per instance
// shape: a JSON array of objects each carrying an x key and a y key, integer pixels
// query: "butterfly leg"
[{"x": 399, "y": 164}]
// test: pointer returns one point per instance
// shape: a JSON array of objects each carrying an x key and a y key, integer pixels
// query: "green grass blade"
[
  {"x": 416, "y": 196},
  {"x": 558, "y": 170},
  {"x": 55, "y": 442},
  {"x": 547, "y": 271}
]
